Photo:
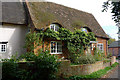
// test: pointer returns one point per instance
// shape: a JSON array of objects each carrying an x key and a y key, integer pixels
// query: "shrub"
[
  {"x": 109, "y": 55},
  {"x": 85, "y": 59},
  {"x": 43, "y": 68},
  {"x": 99, "y": 55},
  {"x": 106, "y": 60},
  {"x": 9, "y": 70},
  {"x": 73, "y": 57}
]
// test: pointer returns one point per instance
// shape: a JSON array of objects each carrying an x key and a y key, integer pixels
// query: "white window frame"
[
  {"x": 102, "y": 46},
  {"x": 55, "y": 26},
  {"x": 3, "y": 44},
  {"x": 56, "y": 47}
]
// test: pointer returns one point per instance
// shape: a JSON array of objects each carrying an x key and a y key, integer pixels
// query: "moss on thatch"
[
  {"x": 78, "y": 24},
  {"x": 46, "y": 13},
  {"x": 41, "y": 17}
]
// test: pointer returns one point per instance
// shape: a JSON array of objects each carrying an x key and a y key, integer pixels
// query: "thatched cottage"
[
  {"x": 41, "y": 15},
  {"x": 12, "y": 29}
]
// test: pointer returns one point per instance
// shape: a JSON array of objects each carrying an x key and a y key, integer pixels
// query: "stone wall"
[
  {"x": 113, "y": 59},
  {"x": 106, "y": 64},
  {"x": 66, "y": 69}
]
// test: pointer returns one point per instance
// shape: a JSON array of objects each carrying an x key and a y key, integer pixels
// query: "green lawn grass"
[{"x": 97, "y": 74}]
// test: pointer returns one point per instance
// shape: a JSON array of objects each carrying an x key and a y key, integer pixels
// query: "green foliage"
[
  {"x": 32, "y": 38},
  {"x": 109, "y": 55},
  {"x": 79, "y": 39},
  {"x": 115, "y": 6},
  {"x": 114, "y": 65},
  {"x": 29, "y": 56},
  {"x": 65, "y": 34},
  {"x": 51, "y": 34},
  {"x": 91, "y": 36},
  {"x": 43, "y": 67},
  {"x": 85, "y": 59},
  {"x": 99, "y": 55},
  {"x": 78, "y": 24},
  {"x": 75, "y": 40},
  {"x": 9, "y": 69},
  {"x": 110, "y": 40},
  {"x": 73, "y": 58},
  {"x": 106, "y": 60},
  {"x": 78, "y": 43},
  {"x": 97, "y": 74}
]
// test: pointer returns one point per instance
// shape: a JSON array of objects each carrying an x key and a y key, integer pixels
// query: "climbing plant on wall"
[{"x": 77, "y": 39}]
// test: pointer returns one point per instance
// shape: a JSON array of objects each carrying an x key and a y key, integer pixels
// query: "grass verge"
[{"x": 96, "y": 74}]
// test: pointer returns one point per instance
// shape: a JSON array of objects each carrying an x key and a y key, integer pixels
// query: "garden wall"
[{"x": 66, "y": 69}]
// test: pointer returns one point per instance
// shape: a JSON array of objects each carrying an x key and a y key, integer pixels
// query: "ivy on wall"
[{"x": 76, "y": 40}]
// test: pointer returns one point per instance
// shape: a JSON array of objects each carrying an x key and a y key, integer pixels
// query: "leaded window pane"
[
  {"x": 56, "y": 47},
  {"x": 2, "y": 47}
]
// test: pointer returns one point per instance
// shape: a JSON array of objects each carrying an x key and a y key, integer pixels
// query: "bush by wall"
[
  {"x": 9, "y": 70},
  {"x": 43, "y": 68},
  {"x": 85, "y": 59}
]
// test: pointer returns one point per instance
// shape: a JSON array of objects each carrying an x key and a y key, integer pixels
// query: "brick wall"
[
  {"x": 104, "y": 41},
  {"x": 65, "y": 50},
  {"x": 67, "y": 70},
  {"x": 114, "y": 51},
  {"x": 46, "y": 46}
]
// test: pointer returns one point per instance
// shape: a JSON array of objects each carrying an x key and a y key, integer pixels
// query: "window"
[
  {"x": 100, "y": 46},
  {"x": 56, "y": 47},
  {"x": 54, "y": 27},
  {"x": 3, "y": 47},
  {"x": 84, "y": 29}
]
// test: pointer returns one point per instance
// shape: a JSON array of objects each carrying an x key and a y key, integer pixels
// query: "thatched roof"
[
  {"x": 13, "y": 12},
  {"x": 45, "y": 13}
]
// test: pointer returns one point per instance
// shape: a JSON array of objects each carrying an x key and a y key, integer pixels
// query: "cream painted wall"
[{"x": 15, "y": 36}]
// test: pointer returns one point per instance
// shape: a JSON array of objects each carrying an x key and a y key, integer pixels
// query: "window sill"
[
  {"x": 2, "y": 52},
  {"x": 55, "y": 53}
]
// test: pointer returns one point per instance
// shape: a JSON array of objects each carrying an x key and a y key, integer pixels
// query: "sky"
[{"x": 94, "y": 7}]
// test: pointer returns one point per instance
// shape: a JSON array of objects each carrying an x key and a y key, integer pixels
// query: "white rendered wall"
[{"x": 15, "y": 36}]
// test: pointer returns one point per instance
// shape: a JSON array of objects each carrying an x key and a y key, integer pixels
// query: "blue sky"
[{"x": 94, "y": 7}]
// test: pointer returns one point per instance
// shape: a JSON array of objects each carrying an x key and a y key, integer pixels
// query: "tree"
[
  {"x": 110, "y": 40},
  {"x": 115, "y": 7}
]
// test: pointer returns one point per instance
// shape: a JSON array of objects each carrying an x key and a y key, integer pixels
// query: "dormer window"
[
  {"x": 84, "y": 29},
  {"x": 54, "y": 27}
]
